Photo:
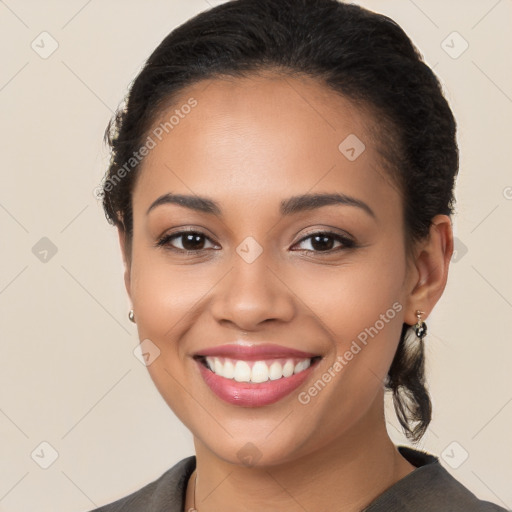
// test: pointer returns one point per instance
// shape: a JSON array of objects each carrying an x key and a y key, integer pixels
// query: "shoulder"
[
  {"x": 163, "y": 494},
  {"x": 430, "y": 487}
]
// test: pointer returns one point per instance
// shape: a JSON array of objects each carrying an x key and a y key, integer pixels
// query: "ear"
[
  {"x": 125, "y": 251},
  {"x": 429, "y": 271}
]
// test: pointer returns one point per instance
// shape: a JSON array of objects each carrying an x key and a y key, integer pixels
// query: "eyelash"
[{"x": 164, "y": 241}]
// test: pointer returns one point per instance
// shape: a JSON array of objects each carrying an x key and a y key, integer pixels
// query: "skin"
[{"x": 249, "y": 144}]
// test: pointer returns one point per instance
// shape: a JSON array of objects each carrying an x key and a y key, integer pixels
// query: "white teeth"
[
  {"x": 210, "y": 362},
  {"x": 228, "y": 370},
  {"x": 301, "y": 365},
  {"x": 276, "y": 371},
  {"x": 241, "y": 371},
  {"x": 259, "y": 372},
  {"x": 217, "y": 365},
  {"x": 288, "y": 369}
]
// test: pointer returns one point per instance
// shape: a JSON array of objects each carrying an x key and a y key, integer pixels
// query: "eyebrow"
[{"x": 290, "y": 206}]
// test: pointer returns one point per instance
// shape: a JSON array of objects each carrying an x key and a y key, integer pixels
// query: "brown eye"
[
  {"x": 190, "y": 241},
  {"x": 323, "y": 241}
]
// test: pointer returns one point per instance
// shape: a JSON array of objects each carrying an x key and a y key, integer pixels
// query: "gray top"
[{"x": 429, "y": 488}]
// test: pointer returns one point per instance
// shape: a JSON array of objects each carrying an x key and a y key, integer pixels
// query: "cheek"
[
  {"x": 164, "y": 298},
  {"x": 163, "y": 295},
  {"x": 162, "y": 288},
  {"x": 354, "y": 296},
  {"x": 361, "y": 307}
]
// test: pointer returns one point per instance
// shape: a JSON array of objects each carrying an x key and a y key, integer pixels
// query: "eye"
[
  {"x": 190, "y": 241},
  {"x": 323, "y": 241},
  {"x": 194, "y": 242}
]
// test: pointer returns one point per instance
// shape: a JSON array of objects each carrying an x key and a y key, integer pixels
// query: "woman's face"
[{"x": 255, "y": 273}]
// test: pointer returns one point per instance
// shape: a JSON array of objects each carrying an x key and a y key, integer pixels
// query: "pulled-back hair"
[{"x": 362, "y": 55}]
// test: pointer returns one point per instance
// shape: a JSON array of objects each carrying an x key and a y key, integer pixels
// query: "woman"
[{"x": 282, "y": 184}]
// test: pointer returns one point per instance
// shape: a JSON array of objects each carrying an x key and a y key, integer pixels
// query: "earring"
[
  {"x": 131, "y": 316},
  {"x": 420, "y": 328}
]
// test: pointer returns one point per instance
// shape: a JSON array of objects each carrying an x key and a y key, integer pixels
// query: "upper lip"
[{"x": 253, "y": 352}]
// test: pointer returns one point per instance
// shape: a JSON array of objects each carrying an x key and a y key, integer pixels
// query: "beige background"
[{"x": 68, "y": 373}]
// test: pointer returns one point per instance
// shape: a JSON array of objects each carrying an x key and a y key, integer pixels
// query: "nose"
[{"x": 252, "y": 294}]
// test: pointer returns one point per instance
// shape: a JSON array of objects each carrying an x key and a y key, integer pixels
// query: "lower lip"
[{"x": 247, "y": 394}]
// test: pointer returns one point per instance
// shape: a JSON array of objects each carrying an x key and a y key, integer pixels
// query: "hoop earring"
[
  {"x": 131, "y": 316},
  {"x": 420, "y": 328}
]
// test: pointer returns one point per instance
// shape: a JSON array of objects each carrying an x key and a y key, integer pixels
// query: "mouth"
[
  {"x": 252, "y": 380},
  {"x": 256, "y": 372}
]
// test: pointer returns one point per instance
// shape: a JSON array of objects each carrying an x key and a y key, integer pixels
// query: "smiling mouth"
[{"x": 257, "y": 371}]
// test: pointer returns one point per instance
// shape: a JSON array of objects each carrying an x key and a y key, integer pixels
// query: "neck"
[{"x": 345, "y": 475}]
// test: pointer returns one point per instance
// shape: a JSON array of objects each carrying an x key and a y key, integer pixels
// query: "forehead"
[{"x": 259, "y": 137}]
